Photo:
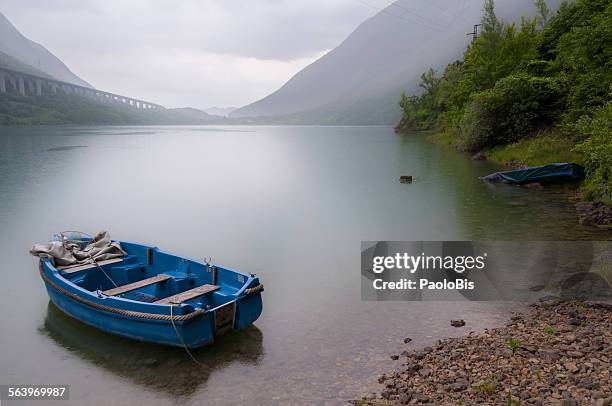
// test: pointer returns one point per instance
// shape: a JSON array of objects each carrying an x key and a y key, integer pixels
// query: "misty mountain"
[
  {"x": 19, "y": 53},
  {"x": 360, "y": 81},
  {"x": 219, "y": 111},
  {"x": 9, "y": 62}
]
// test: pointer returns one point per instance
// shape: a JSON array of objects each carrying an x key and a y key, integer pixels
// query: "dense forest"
[{"x": 534, "y": 93}]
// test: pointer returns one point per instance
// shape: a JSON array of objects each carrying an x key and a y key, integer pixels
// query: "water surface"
[{"x": 288, "y": 203}]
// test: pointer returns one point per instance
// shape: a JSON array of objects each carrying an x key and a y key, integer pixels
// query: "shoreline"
[
  {"x": 559, "y": 352},
  {"x": 591, "y": 213}
]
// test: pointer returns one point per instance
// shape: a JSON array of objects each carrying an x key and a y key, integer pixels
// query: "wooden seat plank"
[
  {"x": 188, "y": 294},
  {"x": 136, "y": 285},
  {"x": 72, "y": 269}
]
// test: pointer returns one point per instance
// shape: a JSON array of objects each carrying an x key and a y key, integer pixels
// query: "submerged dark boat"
[
  {"x": 558, "y": 172},
  {"x": 140, "y": 292}
]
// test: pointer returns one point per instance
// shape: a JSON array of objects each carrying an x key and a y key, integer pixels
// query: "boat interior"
[{"x": 152, "y": 276}]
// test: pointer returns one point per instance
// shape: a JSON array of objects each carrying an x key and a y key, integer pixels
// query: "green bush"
[
  {"x": 515, "y": 107},
  {"x": 597, "y": 150},
  {"x": 477, "y": 122}
]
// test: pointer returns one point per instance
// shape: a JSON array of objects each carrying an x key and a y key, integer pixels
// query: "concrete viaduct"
[{"x": 31, "y": 85}]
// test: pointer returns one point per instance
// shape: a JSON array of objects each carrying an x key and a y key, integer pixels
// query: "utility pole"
[{"x": 475, "y": 33}]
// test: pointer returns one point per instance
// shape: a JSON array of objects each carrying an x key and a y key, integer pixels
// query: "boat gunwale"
[{"x": 125, "y": 304}]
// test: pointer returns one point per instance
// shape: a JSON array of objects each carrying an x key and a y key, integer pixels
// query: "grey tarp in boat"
[{"x": 66, "y": 253}]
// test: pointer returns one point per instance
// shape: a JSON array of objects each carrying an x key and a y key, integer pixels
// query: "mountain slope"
[
  {"x": 15, "y": 45},
  {"x": 8, "y": 62},
  {"x": 360, "y": 81}
]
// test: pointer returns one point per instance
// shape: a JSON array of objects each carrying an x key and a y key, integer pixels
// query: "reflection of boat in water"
[
  {"x": 149, "y": 295},
  {"x": 164, "y": 368}
]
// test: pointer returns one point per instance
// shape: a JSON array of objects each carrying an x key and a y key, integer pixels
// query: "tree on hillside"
[
  {"x": 490, "y": 22},
  {"x": 543, "y": 12}
]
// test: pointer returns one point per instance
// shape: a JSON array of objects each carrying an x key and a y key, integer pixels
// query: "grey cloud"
[{"x": 189, "y": 52}]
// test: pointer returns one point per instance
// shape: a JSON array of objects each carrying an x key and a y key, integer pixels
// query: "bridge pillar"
[
  {"x": 29, "y": 85},
  {"x": 21, "y": 85},
  {"x": 38, "y": 87},
  {"x": 53, "y": 87},
  {"x": 2, "y": 84},
  {"x": 13, "y": 81}
]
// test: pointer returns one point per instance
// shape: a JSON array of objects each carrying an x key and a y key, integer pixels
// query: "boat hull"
[
  {"x": 558, "y": 172},
  {"x": 187, "y": 327}
]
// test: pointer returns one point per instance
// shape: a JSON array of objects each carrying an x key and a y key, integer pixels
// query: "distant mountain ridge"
[
  {"x": 19, "y": 53},
  {"x": 360, "y": 81},
  {"x": 219, "y": 111}
]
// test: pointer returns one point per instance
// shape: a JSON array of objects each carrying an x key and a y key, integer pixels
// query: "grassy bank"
[
  {"x": 545, "y": 148},
  {"x": 541, "y": 150},
  {"x": 447, "y": 138}
]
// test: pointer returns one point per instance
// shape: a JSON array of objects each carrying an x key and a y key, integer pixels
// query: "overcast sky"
[{"x": 198, "y": 53}]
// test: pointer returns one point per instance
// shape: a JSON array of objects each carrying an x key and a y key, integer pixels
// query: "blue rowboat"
[{"x": 154, "y": 296}]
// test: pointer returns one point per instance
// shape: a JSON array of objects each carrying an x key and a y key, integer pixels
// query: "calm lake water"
[{"x": 291, "y": 204}]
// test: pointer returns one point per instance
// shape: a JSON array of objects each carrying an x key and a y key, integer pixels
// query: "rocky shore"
[
  {"x": 595, "y": 214},
  {"x": 558, "y": 353}
]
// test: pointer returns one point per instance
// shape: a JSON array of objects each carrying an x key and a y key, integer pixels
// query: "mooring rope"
[
  {"x": 208, "y": 369},
  {"x": 100, "y": 268}
]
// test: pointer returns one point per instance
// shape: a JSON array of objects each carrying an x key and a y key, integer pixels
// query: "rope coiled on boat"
[
  {"x": 255, "y": 289},
  {"x": 128, "y": 313}
]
